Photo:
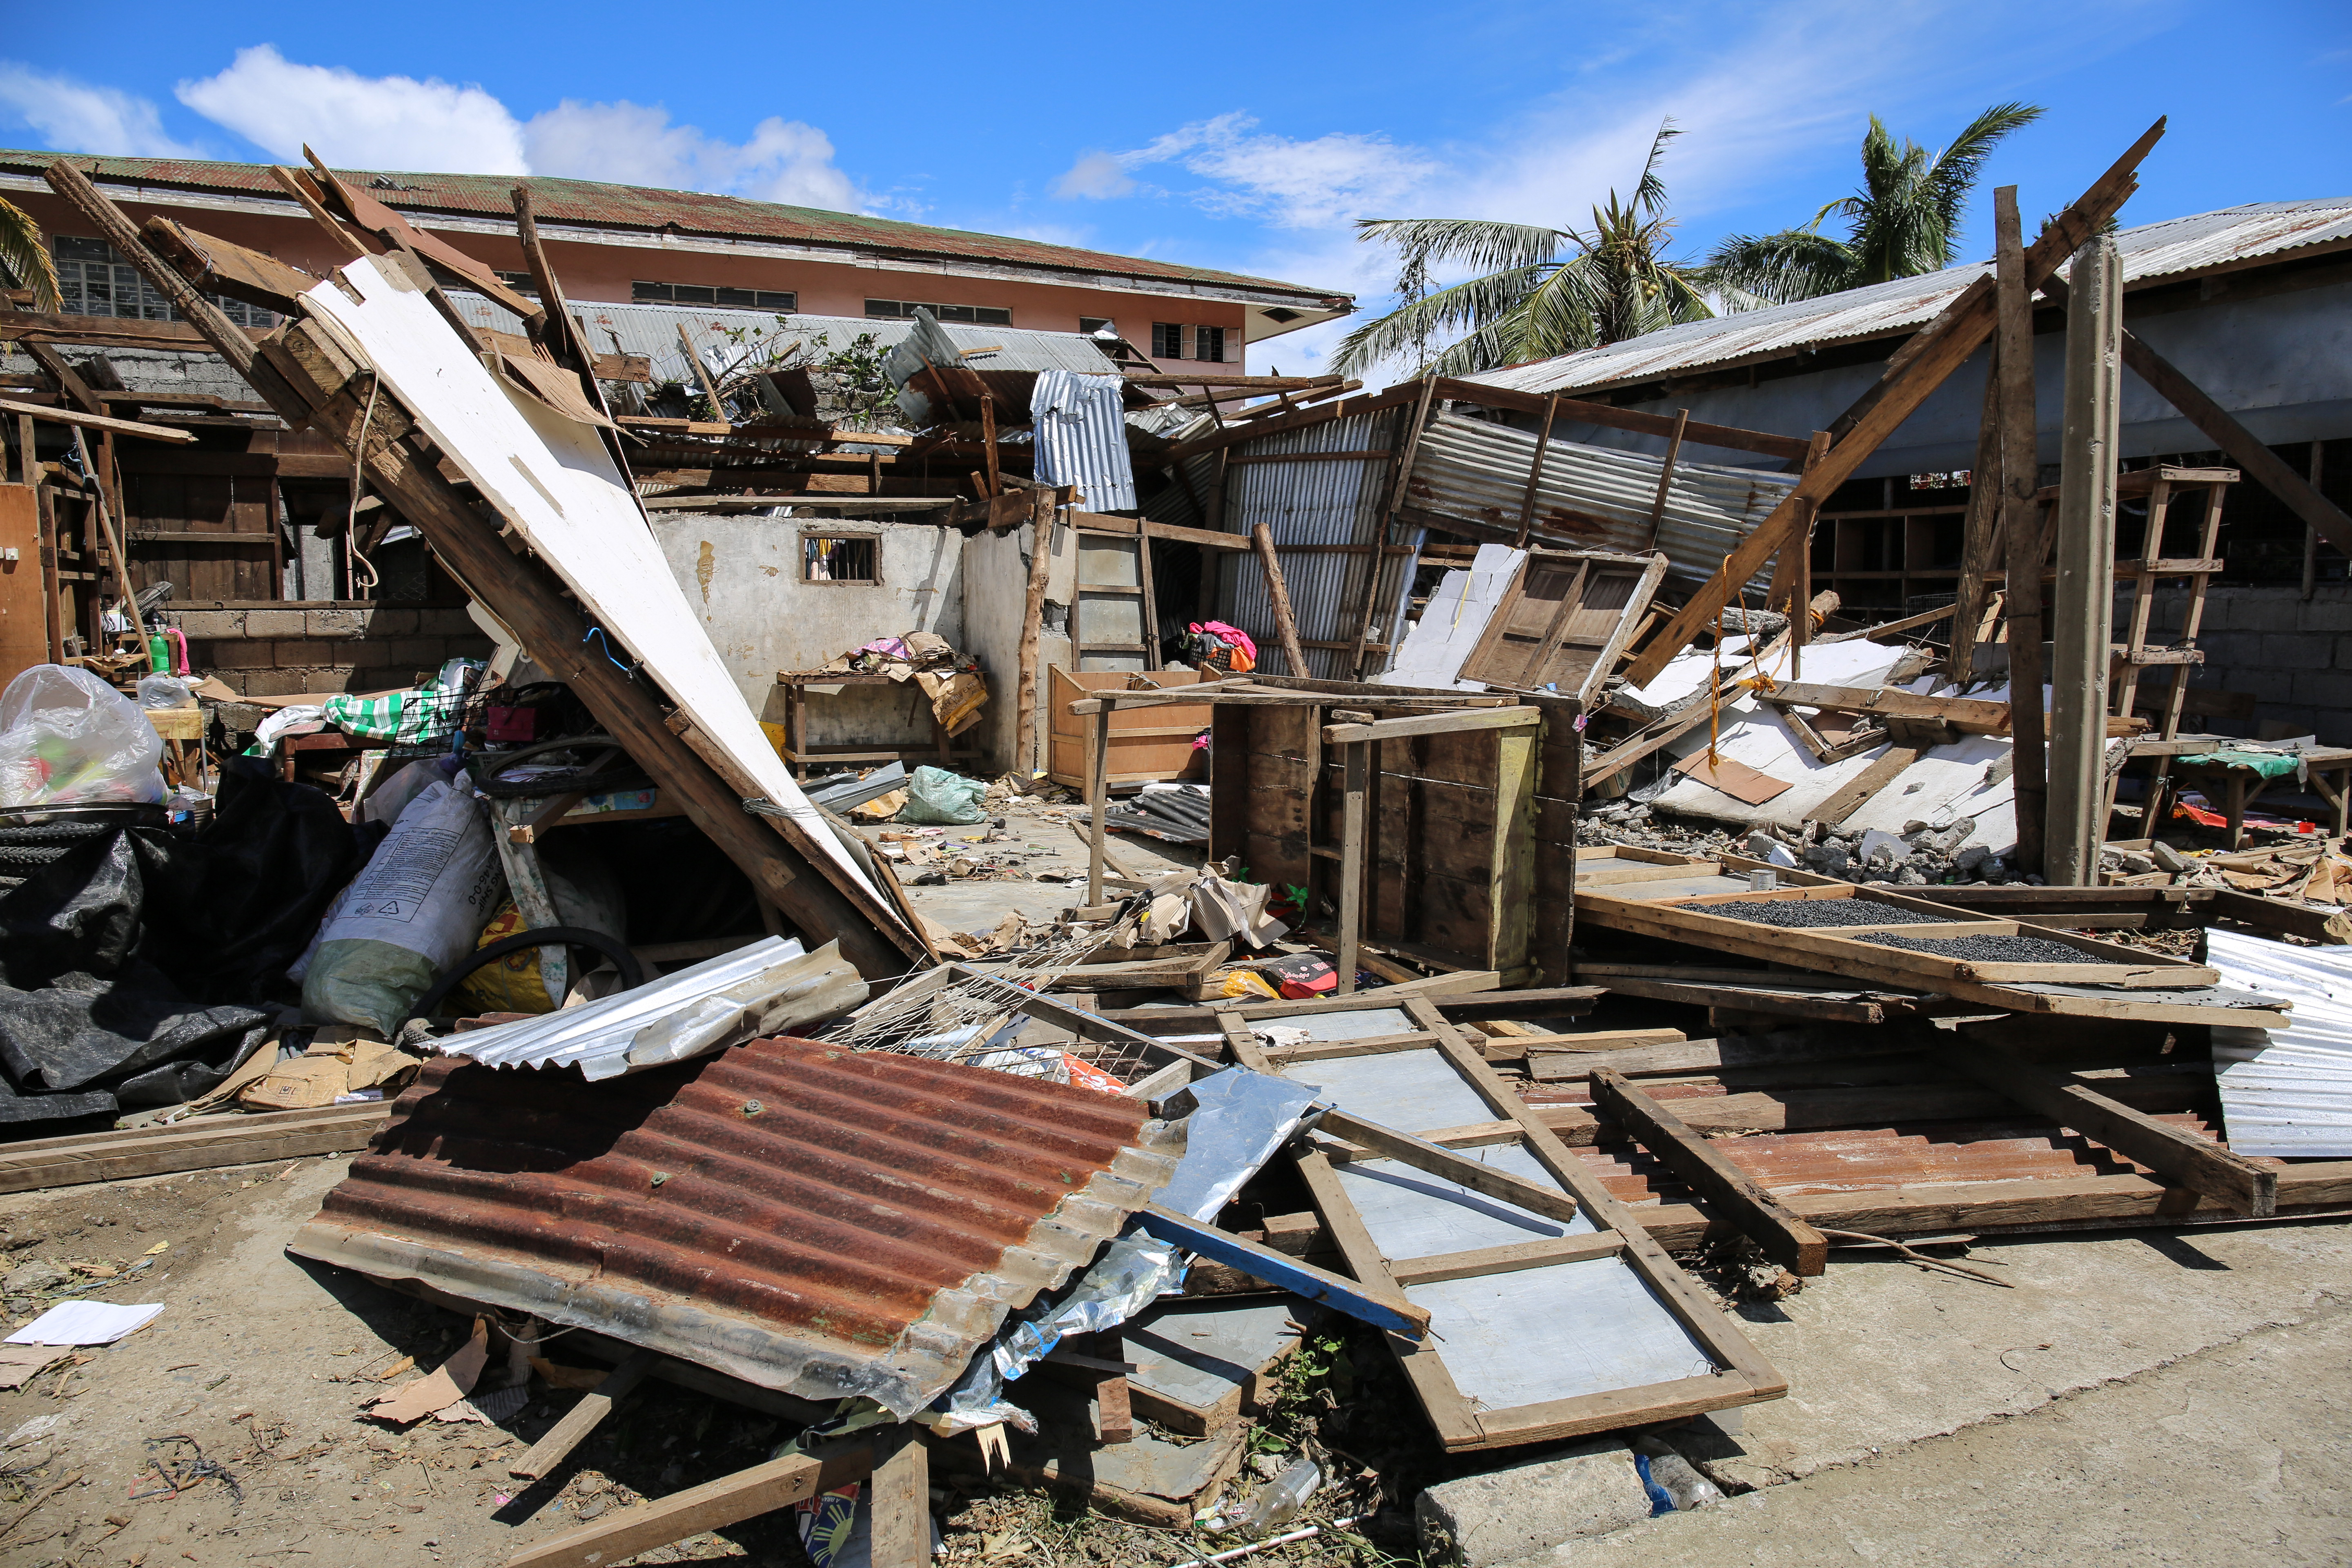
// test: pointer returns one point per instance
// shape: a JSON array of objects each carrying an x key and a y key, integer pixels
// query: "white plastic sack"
[
  {"x": 68, "y": 738},
  {"x": 413, "y": 912}
]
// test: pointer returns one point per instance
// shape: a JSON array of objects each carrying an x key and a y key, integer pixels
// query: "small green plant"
[{"x": 1313, "y": 1382}]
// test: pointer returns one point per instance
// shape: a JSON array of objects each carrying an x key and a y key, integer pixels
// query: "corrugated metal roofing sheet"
[
  {"x": 1081, "y": 436},
  {"x": 1477, "y": 470},
  {"x": 806, "y": 1218},
  {"x": 723, "y": 337},
  {"x": 645, "y": 207},
  {"x": 2150, "y": 252}
]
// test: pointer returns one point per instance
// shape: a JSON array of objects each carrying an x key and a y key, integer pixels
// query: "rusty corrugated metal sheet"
[
  {"x": 825, "y": 1222},
  {"x": 645, "y": 207},
  {"x": 2151, "y": 252}
]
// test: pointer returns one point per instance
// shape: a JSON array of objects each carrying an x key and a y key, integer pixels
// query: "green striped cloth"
[{"x": 420, "y": 714}]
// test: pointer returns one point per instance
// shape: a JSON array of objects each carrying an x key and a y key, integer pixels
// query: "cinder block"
[
  {"x": 2267, "y": 685},
  {"x": 1524, "y": 1511},
  {"x": 446, "y": 622},
  {"x": 304, "y": 654},
  {"x": 422, "y": 652},
  {"x": 234, "y": 653},
  {"x": 241, "y": 717},
  {"x": 2323, "y": 688},
  {"x": 2298, "y": 650},
  {"x": 2271, "y": 608},
  {"x": 2232, "y": 650},
  {"x": 194, "y": 624},
  {"x": 273, "y": 622},
  {"x": 381, "y": 678},
  {"x": 335, "y": 623},
  {"x": 273, "y": 682},
  {"x": 391, "y": 623},
  {"x": 2328, "y": 611}
]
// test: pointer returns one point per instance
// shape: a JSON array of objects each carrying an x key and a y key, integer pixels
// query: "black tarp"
[{"x": 141, "y": 966}]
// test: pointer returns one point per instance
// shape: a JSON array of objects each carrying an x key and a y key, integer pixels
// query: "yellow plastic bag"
[{"x": 510, "y": 984}]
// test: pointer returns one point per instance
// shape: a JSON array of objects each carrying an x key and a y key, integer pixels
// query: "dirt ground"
[{"x": 2140, "y": 1396}]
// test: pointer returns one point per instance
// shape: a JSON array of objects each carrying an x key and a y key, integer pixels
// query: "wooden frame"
[
  {"x": 873, "y": 541},
  {"x": 1507, "y": 654},
  {"x": 1739, "y": 1375}
]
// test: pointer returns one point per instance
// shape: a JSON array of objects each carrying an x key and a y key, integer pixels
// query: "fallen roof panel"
[{"x": 823, "y": 1222}]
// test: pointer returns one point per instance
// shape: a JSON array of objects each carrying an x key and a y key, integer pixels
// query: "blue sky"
[{"x": 1243, "y": 137}]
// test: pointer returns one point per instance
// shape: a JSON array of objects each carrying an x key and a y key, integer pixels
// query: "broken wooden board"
[
  {"x": 1541, "y": 1327},
  {"x": 1199, "y": 1364},
  {"x": 1735, "y": 779}
]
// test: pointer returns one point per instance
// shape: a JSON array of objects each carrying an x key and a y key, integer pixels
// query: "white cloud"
[
  {"x": 379, "y": 123},
  {"x": 1290, "y": 183},
  {"x": 635, "y": 144},
  {"x": 1096, "y": 176},
  {"x": 74, "y": 118}
]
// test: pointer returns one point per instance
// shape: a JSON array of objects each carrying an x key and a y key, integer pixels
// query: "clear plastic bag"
[
  {"x": 164, "y": 691},
  {"x": 949, "y": 800},
  {"x": 68, "y": 738}
]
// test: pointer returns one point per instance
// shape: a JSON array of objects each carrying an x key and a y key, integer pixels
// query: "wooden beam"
[
  {"x": 1552, "y": 1203},
  {"x": 730, "y": 1500},
  {"x": 2242, "y": 446},
  {"x": 380, "y": 220},
  {"x": 1579, "y": 411},
  {"x": 1433, "y": 724},
  {"x": 2083, "y": 624},
  {"x": 1941, "y": 348},
  {"x": 582, "y": 1418},
  {"x": 1381, "y": 1308},
  {"x": 2195, "y": 1163},
  {"x": 218, "y": 267},
  {"x": 1666, "y": 476},
  {"x": 1967, "y": 714},
  {"x": 1033, "y": 616},
  {"x": 98, "y": 422},
  {"x": 1286, "y": 624},
  {"x": 99, "y": 331},
  {"x": 1784, "y": 1238},
  {"x": 899, "y": 1535},
  {"x": 2020, "y": 527},
  {"x": 201, "y": 1144}
]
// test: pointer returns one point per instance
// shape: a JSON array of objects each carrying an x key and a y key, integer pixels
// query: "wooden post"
[
  {"x": 702, "y": 375},
  {"x": 1097, "y": 796},
  {"x": 582, "y": 1418},
  {"x": 762, "y": 1489},
  {"x": 1786, "y": 1239},
  {"x": 1032, "y": 618},
  {"x": 1286, "y": 624},
  {"x": 2084, "y": 632},
  {"x": 1980, "y": 533},
  {"x": 900, "y": 1534},
  {"x": 988, "y": 443},
  {"x": 1801, "y": 576},
  {"x": 1535, "y": 469},
  {"x": 1666, "y": 476},
  {"x": 2021, "y": 525},
  {"x": 1356, "y": 768},
  {"x": 53, "y": 603},
  {"x": 113, "y": 542}
]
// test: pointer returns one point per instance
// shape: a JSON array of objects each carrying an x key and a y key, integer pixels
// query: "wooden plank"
[
  {"x": 730, "y": 1500},
  {"x": 1369, "y": 1302},
  {"x": 1784, "y": 1238},
  {"x": 1432, "y": 724},
  {"x": 1910, "y": 378},
  {"x": 1883, "y": 771},
  {"x": 99, "y": 331},
  {"x": 98, "y": 422},
  {"x": 1286, "y": 624},
  {"x": 203, "y": 1144},
  {"x": 1703, "y": 993},
  {"x": 582, "y": 1418},
  {"x": 901, "y": 1530},
  {"x": 219, "y": 266},
  {"x": 1736, "y": 779},
  {"x": 2195, "y": 1163},
  {"x": 1425, "y": 1155},
  {"x": 1966, "y": 714},
  {"x": 1506, "y": 1259}
]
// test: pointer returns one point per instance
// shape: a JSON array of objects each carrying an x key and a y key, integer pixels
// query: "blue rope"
[{"x": 598, "y": 633}]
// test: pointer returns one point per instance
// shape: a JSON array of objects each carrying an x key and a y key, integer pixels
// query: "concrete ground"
[
  {"x": 1049, "y": 839},
  {"x": 2157, "y": 1396}
]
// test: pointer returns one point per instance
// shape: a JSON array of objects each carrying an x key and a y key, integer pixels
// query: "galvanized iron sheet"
[
  {"x": 806, "y": 1218},
  {"x": 2151, "y": 252},
  {"x": 1477, "y": 470}
]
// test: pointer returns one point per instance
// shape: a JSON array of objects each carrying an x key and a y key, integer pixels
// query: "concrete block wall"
[
  {"x": 277, "y": 649},
  {"x": 2294, "y": 653}
]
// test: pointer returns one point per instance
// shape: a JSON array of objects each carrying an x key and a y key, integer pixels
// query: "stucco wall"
[
  {"x": 996, "y": 597},
  {"x": 742, "y": 575}
]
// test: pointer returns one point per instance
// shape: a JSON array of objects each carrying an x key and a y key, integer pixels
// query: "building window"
[
  {"x": 1089, "y": 325},
  {"x": 903, "y": 310},
  {"x": 854, "y": 558},
  {"x": 94, "y": 280},
  {"x": 1209, "y": 344},
  {"x": 644, "y": 293},
  {"x": 1166, "y": 341}
]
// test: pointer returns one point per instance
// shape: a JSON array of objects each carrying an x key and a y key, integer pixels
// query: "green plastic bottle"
[{"x": 159, "y": 654}]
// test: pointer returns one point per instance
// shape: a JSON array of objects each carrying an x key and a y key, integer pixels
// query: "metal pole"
[{"x": 2086, "y": 553}]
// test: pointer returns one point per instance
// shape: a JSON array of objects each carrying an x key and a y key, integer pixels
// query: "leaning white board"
[{"x": 552, "y": 480}]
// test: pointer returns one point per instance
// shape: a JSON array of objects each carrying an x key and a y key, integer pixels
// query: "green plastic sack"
[{"x": 943, "y": 799}]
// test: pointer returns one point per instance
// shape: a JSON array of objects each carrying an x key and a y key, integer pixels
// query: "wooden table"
[
  {"x": 2328, "y": 768},
  {"x": 798, "y": 752}
]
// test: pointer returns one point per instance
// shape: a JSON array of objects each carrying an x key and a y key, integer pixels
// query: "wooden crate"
[{"x": 1147, "y": 744}]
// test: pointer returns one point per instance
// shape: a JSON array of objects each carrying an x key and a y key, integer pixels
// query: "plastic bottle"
[
  {"x": 1278, "y": 1502},
  {"x": 1665, "y": 1470}
]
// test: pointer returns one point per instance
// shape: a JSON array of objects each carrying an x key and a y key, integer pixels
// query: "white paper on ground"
[{"x": 85, "y": 1324}]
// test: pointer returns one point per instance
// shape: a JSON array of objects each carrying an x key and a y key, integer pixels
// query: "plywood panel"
[{"x": 24, "y": 619}]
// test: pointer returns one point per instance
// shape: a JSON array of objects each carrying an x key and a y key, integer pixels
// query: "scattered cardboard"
[
  {"x": 1737, "y": 780},
  {"x": 438, "y": 1389}
]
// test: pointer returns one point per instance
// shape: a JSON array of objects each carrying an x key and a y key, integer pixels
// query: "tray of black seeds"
[
  {"x": 1988, "y": 949},
  {"x": 1819, "y": 914}
]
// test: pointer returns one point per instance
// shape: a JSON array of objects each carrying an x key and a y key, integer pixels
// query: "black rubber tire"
[
  {"x": 24, "y": 851},
  {"x": 633, "y": 973}
]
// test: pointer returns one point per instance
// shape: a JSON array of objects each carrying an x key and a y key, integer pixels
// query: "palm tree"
[
  {"x": 25, "y": 257},
  {"x": 1539, "y": 292},
  {"x": 1906, "y": 220}
]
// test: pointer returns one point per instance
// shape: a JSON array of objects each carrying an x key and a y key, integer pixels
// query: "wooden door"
[
  {"x": 24, "y": 616},
  {"x": 1563, "y": 621}
]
